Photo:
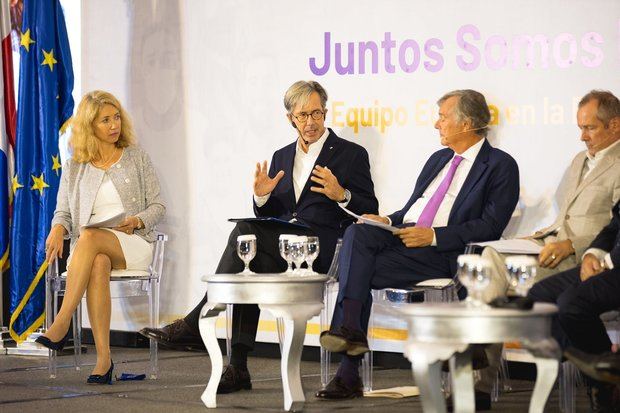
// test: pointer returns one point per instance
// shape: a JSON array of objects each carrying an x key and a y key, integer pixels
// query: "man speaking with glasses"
[{"x": 306, "y": 182}]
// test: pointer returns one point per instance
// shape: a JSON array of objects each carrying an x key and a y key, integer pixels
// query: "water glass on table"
[
  {"x": 521, "y": 273},
  {"x": 246, "y": 250},
  {"x": 298, "y": 248},
  {"x": 312, "y": 252},
  {"x": 285, "y": 250},
  {"x": 474, "y": 273}
]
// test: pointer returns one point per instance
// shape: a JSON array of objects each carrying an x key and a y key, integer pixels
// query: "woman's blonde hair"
[{"x": 83, "y": 142}]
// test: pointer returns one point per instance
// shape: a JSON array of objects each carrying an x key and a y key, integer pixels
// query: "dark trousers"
[
  {"x": 373, "y": 258},
  {"x": 580, "y": 305},
  {"x": 267, "y": 260}
]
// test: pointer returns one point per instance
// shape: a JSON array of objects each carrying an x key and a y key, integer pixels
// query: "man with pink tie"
[{"x": 466, "y": 192}]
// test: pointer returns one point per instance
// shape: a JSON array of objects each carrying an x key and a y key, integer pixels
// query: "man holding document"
[
  {"x": 588, "y": 191},
  {"x": 306, "y": 182},
  {"x": 465, "y": 192}
]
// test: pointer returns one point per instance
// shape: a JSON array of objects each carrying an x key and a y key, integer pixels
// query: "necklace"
[{"x": 103, "y": 163}]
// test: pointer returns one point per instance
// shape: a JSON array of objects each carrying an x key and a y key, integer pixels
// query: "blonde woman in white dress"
[{"x": 108, "y": 175}]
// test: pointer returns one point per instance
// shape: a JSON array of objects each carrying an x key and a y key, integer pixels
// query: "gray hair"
[
  {"x": 608, "y": 105},
  {"x": 300, "y": 92},
  {"x": 471, "y": 106}
]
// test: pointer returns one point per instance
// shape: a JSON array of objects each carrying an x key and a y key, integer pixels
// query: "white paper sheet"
[
  {"x": 513, "y": 246},
  {"x": 370, "y": 221},
  {"x": 112, "y": 222}
]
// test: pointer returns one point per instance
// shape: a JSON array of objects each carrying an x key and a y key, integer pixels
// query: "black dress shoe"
[
  {"x": 344, "y": 340},
  {"x": 602, "y": 367},
  {"x": 482, "y": 400},
  {"x": 102, "y": 378},
  {"x": 234, "y": 379},
  {"x": 177, "y": 335},
  {"x": 52, "y": 345},
  {"x": 337, "y": 389},
  {"x": 604, "y": 398}
]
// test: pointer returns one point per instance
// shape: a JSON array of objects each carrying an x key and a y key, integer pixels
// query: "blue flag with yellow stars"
[{"x": 44, "y": 105}]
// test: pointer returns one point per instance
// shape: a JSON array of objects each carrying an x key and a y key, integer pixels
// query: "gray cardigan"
[{"x": 135, "y": 180}]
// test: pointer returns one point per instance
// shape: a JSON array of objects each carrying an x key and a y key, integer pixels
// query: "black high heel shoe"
[
  {"x": 101, "y": 379},
  {"x": 52, "y": 345}
]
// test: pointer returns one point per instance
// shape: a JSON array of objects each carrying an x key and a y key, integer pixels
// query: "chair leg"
[
  {"x": 53, "y": 356},
  {"x": 77, "y": 345},
  {"x": 324, "y": 325},
  {"x": 367, "y": 371},
  {"x": 154, "y": 321},
  {"x": 567, "y": 384}
]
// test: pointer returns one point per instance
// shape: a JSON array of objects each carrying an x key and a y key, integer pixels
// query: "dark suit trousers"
[
  {"x": 580, "y": 305},
  {"x": 267, "y": 260},
  {"x": 373, "y": 258}
]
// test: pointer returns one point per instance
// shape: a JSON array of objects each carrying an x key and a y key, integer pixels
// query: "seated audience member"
[
  {"x": 588, "y": 191},
  {"x": 582, "y": 294},
  {"x": 307, "y": 180},
  {"x": 465, "y": 192},
  {"x": 590, "y": 188},
  {"x": 108, "y": 174}
]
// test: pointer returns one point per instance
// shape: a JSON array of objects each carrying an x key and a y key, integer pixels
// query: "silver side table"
[
  {"x": 443, "y": 331},
  {"x": 296, "y": 299}
]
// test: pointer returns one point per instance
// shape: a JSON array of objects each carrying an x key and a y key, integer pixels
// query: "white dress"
[{"x": 137, "y": 251}]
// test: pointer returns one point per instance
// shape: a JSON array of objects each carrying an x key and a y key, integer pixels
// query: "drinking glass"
[
  {"x": 285, "y": 250},
  {"x": 473, "y": 272},
  {"x": 246, "y": 249},
  {"x": 521, "y": 273},
  {"x": 298, "y": 251},
  {"x": 312, "y": 252}
]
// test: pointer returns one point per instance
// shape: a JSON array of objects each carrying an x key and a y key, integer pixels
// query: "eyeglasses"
[{"x": 316, "y": 115}]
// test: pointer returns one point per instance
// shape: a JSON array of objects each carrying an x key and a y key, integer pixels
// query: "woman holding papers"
[{"x": 108, "y": 203}]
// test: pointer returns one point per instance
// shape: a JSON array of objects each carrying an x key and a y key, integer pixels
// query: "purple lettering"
[
  {"x": 350, "y": 67},
  {"x": 433, "y": 55},
  {"x": 326, "y": 50},
  {"x": 388, "y": 44},
  {"x": 468, "y": 29},
  {"x": 363, "y": 47},
  {"x": 402, "y": 55},
  {"x": 499, "y": 43},
  {"x": 560, "y": 61},
  {"x": 596, "y": 52}
]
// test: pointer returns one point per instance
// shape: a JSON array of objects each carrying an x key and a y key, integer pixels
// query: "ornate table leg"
[
  {"x": 462, "y": 382},
  {"x": 206, "y": 324},
  {"x": 546, "y": 354},
  {"x": 426, "y": 360},
  {"x": 295, "y": 319}
]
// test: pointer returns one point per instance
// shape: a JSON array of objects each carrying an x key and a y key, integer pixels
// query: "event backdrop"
[{"x": 204, "y": 82}]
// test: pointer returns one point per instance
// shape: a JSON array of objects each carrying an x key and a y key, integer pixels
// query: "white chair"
[{"x": 136, "y": 283}]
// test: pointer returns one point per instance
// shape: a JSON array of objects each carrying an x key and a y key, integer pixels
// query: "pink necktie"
[{"x": 430, "y": 210}]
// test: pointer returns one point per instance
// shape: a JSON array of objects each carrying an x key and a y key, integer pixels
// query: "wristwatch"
[{"x": 347, "y": 196}]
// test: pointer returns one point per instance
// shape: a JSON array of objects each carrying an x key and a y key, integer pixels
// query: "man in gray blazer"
[{"x": 588, "y": 191}]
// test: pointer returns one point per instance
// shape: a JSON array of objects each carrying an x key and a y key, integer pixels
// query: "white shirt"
[
  {"x": 302, "y": 167},
  {"x": 107, "y": 202},
  {"x": 443, "y": 213},
  {"x": 593, "y": 160}
]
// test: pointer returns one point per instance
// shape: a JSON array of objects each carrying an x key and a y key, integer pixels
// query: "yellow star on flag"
[
  {"x": 39, "y": 184},
  {"x": 56, "y": 163},
  {"x": 49, "y": 59},
  {"x": 25, "y": 40},
  {"x": 16, "y": 185}
]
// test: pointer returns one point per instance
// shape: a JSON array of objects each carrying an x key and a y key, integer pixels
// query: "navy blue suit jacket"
[
  {"x": 609, "y": 237},
  {"x": 482, "y": 207},
  {"x": 349, "y": 163}
]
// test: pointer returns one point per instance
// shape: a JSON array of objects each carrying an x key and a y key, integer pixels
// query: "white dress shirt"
[
  {"x": 302, "y": 167},
  {"x": 443, "y": 213}
]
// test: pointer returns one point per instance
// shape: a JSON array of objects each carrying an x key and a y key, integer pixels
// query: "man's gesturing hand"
[
  {"x": 329, "y": 183},
  {"x": 263, "y": 184}
]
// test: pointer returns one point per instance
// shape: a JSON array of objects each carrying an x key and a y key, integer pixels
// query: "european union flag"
[{"x": 44, "y": 105}]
